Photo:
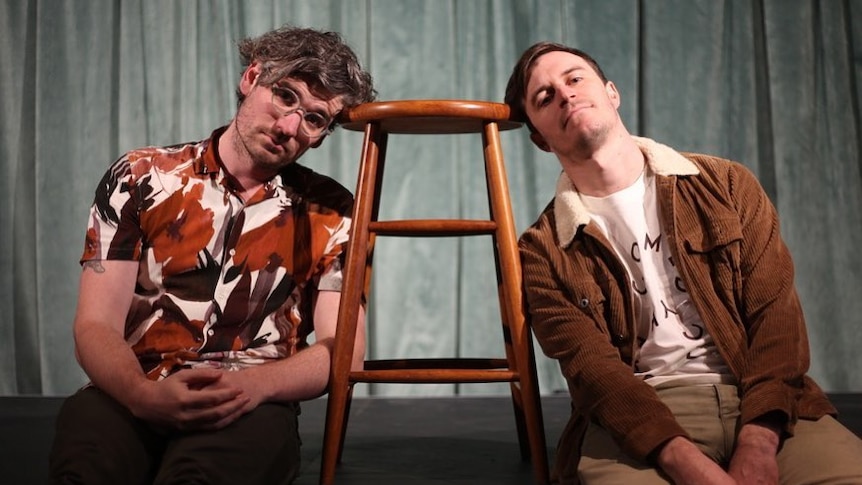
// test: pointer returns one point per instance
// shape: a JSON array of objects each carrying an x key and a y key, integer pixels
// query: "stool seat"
[{"x": 428, "y": 117}]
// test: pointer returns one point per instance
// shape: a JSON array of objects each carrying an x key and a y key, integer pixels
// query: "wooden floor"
[{"x": 457, "y": 440}]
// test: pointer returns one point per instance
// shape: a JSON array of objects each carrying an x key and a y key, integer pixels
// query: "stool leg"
[
  {"x": 532, "y": 411},
  {"x": 344, "y": 422},
  {"x": 340, "y": 387},
  {"x": 525, "y": 396}
]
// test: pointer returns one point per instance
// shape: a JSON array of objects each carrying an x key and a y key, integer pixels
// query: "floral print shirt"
[{"x": 221, "y": 282}]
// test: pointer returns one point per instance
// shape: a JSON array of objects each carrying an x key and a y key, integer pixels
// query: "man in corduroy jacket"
[{"x": 660, "y": 283}]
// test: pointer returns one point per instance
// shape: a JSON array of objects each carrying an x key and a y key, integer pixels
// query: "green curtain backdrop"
[{"x": 774, "y": 84}]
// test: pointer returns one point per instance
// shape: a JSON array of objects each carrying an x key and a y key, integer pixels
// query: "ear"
[
  {"x": 249, "y": 78},
  {"x": 539, "y": 141},
  {"x": 613, "y": 94}
]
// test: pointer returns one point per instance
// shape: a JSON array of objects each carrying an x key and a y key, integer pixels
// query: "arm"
[
  {"x": 98, "y": 329},
  {"x": 777, "y": 357},
  {"x": 304, "y": 375},
  {"x": 753, "y": 459},
  {"x": 181, "y": 401},
  {"x": 683, "y": 461},
  {"x": 768, "y": 350}
]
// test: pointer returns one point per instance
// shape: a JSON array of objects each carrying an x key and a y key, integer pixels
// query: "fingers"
[
  {"x": 213, "y": 417},
  {"x": 210, "y": 399},
  {"x": 198, "y": 378},
  {"x": 203, "y": 399},
  {"x": 209, "y": 386},
  {"x": 232, "y": 416},
  {"x": 198, "y": 399}
]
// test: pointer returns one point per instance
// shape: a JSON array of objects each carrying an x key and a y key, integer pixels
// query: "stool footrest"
[
  {"x": 433, "y": 227},
  {"x": 437, "y": 363},
  {"x": 434, "y": 376},
  {"x": 439, "y": 370}
]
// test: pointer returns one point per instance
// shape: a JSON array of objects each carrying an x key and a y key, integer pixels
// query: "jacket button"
[{"x": 584, "y": 303}]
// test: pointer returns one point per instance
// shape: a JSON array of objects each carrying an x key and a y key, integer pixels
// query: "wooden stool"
[{"x": 378, "y": 120}]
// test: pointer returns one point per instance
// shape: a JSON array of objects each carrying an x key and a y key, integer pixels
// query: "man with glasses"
[{"x": 206, "y": 267}]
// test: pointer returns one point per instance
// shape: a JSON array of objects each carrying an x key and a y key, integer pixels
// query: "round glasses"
[{"x": 312, "y": 123}]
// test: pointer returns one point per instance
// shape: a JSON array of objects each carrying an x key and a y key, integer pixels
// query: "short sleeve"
[{"x": 113, "y": 227}]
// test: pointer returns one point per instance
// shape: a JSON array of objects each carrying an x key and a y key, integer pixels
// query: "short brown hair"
[
  {"x": 517, "y": 85},
  {"x": 321, "y": 59}
]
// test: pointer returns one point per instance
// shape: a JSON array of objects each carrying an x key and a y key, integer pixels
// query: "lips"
[
  {"x": 572, "y": 109},
  {"x": 272, "y": 145}
]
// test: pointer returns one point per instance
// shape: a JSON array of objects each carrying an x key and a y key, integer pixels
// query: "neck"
[
  {"x": 244, "y": 174},
  {"x": 606, "y": 169}
]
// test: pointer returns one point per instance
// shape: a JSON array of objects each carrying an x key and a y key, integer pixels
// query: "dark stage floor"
[{"x": 457, "y": 440}]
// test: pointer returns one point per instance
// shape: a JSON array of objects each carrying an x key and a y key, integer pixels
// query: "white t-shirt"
[{"x": 674, "y": 343}]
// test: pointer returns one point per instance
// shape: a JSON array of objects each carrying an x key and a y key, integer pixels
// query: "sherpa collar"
[{"x": 570, "y": 213}]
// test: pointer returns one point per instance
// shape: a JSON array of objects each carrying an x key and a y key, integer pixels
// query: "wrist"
[
  {"x": 762, "y": 436},
  {"x": 136, "y": 396},
  {"x": 671, "y": 452}
]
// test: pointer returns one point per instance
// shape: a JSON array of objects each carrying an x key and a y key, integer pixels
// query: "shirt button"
[{"x": 210, "y": 332}]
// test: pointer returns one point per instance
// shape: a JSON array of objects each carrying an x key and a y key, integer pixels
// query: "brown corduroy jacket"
[{"x": 723, "y": 233}]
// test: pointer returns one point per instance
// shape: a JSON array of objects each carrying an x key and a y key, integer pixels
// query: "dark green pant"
[{"x": 98, "y": 441}]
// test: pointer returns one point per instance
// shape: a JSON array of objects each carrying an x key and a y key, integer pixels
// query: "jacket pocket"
[
  {"x": 717, "y": 233},
  {"x": 713, "y": 256}
]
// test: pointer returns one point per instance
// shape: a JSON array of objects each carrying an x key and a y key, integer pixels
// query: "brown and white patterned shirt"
[{"x": 221, "y": 282}]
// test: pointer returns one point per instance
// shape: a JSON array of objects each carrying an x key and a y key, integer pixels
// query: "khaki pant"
[{"x": 820, "y": 452}]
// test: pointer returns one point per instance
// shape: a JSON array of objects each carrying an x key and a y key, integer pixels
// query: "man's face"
[
  {"x": 570, "y": 106},
  {"x": 272, "y": 138}
]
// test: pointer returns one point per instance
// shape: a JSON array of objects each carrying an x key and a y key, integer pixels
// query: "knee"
[
  {"x": 186, "y": 472},
  {"x": 200, "y": 470},
  {"x": 97, "y": 441}
]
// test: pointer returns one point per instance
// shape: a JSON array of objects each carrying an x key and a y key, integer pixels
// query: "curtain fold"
[{"x": 770, "y": 83}]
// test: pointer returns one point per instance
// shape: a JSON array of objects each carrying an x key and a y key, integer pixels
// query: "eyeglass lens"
[{"x": 287, "y": 101}]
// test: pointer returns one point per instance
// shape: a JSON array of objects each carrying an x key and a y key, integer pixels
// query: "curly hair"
[
  {"x": 321, "y": 59},
  {"x": 516, "y": 88}
]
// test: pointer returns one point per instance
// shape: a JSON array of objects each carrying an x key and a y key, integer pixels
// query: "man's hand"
[
  {"x": 687, "y": 465},
  {"x": 191, "y": 399},
  {"x": 248, "y": 383},
  {"x": 753, "y": 460}
]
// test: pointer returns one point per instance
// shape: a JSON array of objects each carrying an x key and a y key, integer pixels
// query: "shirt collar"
[
  {"x": 570, "y": 213},
  {"x": 209, "y": 162}
]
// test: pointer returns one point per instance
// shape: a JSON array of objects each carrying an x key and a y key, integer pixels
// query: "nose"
[
  {"x": 289, "y": 124},
  {"x": 566, "y": 93}
]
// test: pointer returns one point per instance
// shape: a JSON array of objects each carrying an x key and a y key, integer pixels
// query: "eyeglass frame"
[{"x": 277, "y": 102}]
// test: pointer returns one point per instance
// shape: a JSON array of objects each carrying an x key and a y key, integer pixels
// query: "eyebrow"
[{"x": 545, "y": 87}]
